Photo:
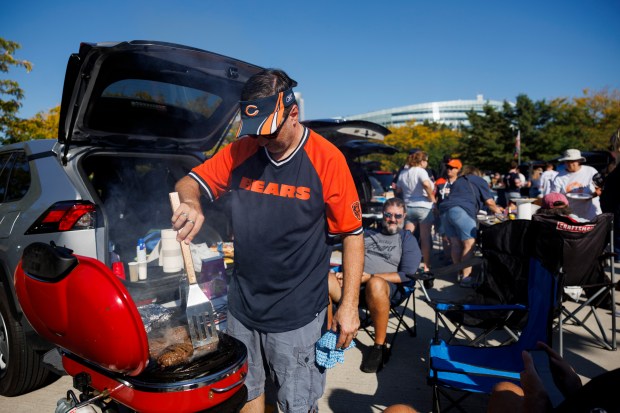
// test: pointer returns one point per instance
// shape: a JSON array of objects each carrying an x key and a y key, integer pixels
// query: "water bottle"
[
  {"x": 141, "y": 254},
  {"x": 114, "y": 257}
]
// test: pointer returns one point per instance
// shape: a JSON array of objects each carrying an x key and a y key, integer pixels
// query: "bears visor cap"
[{"x": 265, "y": 115}]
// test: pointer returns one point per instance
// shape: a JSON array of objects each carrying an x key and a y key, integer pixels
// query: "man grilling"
[{"x": 291, "y": 191}]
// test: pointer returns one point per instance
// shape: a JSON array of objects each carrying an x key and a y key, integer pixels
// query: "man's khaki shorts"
[{"x": 289, "y": 359}]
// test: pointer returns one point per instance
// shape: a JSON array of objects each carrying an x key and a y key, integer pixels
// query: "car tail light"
[{"x": 65, "y": 216}]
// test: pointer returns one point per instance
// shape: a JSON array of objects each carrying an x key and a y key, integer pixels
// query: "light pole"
[{"x": 518, "y": 146}]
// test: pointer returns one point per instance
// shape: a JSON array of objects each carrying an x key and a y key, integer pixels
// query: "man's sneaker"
[{"x": 375, "y": 359}]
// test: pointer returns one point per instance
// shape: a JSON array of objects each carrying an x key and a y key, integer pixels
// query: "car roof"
[
  {"x": 354, "y": 138},
  {"x": 342, "y": 130}
]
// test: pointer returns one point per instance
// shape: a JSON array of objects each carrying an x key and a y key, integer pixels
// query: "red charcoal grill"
[{"x": 78, "y": 304}]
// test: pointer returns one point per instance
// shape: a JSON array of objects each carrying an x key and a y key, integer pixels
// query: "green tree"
[
  {"x": 10, "y": 92},
  {"x": 43, "y": 125},
  {"x": 597, "y": 117},
  {"x": 546, "y": 129},
  {"x": 435, "y": 139},
  {"x": 488, "y": 142}
]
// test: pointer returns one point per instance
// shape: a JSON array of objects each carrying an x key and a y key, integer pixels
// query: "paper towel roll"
[
  {"x": 524, "y": 208},
  {"x": 170, "y": 256}
]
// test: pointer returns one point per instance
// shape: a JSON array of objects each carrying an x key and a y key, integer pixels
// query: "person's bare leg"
[
  {"x": 400, "y": 408},
  {"x": 447, "y": 247},
  {"x": 456, "y": 251},
  {"x": 506, "y": 397},
  {"x": 335, "y": 289},
  {"x": 468, "y": 250},
  {"x": 427, "y": 243},
  {"x": 256, "y": 405},
  {"x": 378, "y": 301}
]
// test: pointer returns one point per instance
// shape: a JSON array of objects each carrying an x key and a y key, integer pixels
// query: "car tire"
[{"x": 21, "y": 370}]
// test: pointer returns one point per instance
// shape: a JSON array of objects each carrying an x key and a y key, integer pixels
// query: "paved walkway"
[{"x": 403, "y": 380}]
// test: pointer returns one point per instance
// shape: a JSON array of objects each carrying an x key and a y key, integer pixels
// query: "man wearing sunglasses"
[
  {"x": 390, "y": 254},
  {"x": 291, "y": 191}
]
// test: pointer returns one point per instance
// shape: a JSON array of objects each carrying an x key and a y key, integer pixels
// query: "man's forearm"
[
  {"x": 353, "y": 265},
  {"x": 496, "y": 209},
  {"x": 188, "y": 190},
  {"x": 392, "y": 277}
]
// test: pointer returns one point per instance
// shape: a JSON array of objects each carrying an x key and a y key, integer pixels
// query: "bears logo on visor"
[
  {"x": 265, "y": 115},
  {"x": 251, "y": 110}
]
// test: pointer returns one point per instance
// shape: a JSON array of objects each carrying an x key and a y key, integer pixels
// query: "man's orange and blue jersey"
[{"x": 283, "y": 214}]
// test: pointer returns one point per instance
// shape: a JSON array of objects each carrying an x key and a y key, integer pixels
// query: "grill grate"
[{"x": 228, "y": 352}]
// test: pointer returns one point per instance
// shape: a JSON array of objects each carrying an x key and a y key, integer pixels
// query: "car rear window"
[
  {"x": 385, "y": 178},
  {"x": 149, "y": 107},
  {"x": 159, "y": 95},
  {"x": 143, "y": 95}
]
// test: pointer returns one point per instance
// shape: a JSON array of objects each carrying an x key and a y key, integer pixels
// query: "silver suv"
[{"x": 135, "y": 117}]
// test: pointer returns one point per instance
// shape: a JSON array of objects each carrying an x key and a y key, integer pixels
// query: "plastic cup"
[
  {"x": 119, "y": 270},
  {"x": 133, "y": 271}
]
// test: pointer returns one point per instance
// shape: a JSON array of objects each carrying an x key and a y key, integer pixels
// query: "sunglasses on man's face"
[{"x": 390, "y": 215}]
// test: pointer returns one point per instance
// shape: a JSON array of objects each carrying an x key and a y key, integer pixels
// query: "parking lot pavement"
[{"x": 403, "y": 380}]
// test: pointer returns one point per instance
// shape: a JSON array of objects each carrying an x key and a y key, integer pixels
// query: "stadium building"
[{"x": 452, "y": 112}]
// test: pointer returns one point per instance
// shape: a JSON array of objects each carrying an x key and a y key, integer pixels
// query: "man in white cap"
[{"x": 576, "y": 183}]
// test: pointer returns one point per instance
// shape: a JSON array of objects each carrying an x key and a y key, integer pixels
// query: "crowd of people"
[
  {"x": 574, "y": 190},
  {"x": 589, "y": 191}
]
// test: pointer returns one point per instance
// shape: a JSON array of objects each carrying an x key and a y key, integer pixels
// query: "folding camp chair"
[
  {"x": 506, "y": 249},
  {"x": 471, "y": 369},
  {"x": 398, "y": 308},
  {"x": 584, "y": 255}
]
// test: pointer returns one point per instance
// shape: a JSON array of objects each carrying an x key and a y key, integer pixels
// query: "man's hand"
[
  {"x": 564, "y": 375},
  {"x": 535, "y": 397},
  {"x": 187, "y": 219},
  {"x": 340, "y": 278},
  {"x": 346, "y": 322}
]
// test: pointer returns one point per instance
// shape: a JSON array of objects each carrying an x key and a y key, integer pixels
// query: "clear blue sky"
[{"x": 349, "y": 57}]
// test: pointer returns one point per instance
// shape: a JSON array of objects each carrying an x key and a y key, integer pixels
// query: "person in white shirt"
[
  {"x": 546, "y": 179},
  {"x": 576, "y": 183},
  {"x": 419, "y": 196}
]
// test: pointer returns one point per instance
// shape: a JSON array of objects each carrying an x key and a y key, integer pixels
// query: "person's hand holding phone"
[
  {"x": 535, "y": 397},
  {"x": 564, "y": 375}
]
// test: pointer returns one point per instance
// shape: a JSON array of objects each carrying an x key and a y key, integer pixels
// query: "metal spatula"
[{"x": 199, "y": 311}]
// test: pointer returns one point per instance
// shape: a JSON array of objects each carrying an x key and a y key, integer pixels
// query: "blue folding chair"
[
  {"x": 506, "y": 249},
  {"x": 470, "y": 369}
]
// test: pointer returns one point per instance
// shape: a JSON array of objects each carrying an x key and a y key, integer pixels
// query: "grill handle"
[{"x": 229, "y": 388}]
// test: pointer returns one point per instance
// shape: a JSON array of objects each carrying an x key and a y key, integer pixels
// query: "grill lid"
[{"x": 86, "y": 310}]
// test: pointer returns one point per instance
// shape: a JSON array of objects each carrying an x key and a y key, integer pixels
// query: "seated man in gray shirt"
[{"x": 390, "y": 254}]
